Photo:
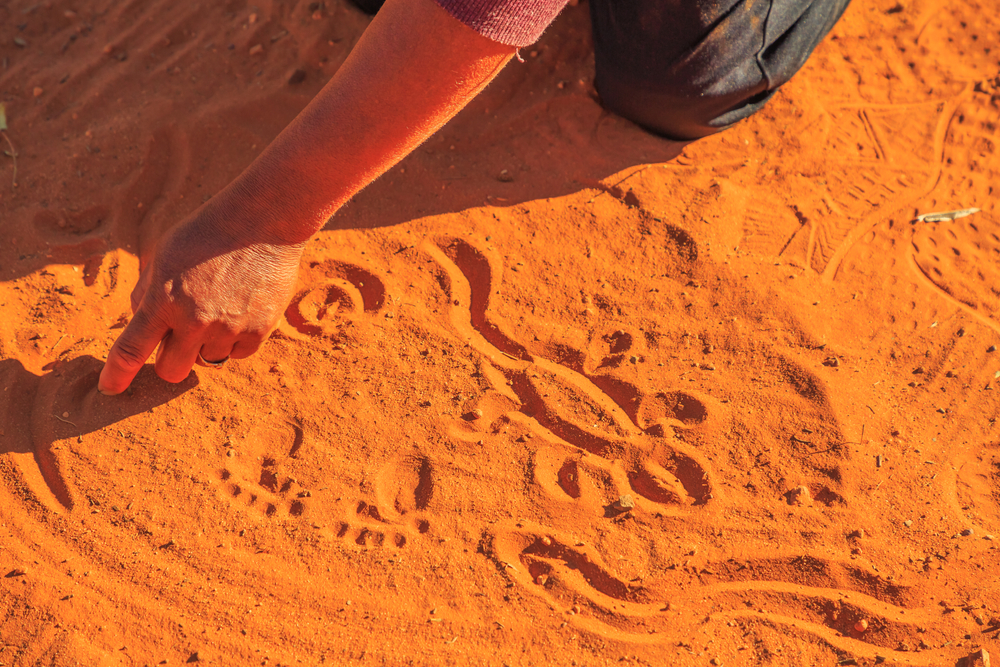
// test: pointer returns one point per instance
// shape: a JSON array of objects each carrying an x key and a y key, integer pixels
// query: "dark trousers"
[{"x": 685, "y": 69}]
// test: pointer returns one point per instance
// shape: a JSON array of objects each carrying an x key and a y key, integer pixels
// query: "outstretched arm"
[{"x": 219, "y": 281}]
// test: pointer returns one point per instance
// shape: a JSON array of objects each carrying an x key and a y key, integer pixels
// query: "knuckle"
[
  {"x": 201, "y": 319},
  {"x": 232, "y": 330},
  {"x": 130, "y": 351},
  {"x": 135, "y": 298},
  {"x": 255, "y": 336}
]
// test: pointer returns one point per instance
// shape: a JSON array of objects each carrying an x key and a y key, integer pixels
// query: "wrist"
[{"x": 258, "y": 208}]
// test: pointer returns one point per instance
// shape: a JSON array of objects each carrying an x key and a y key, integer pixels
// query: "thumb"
[{"x": 130, "y": 352}]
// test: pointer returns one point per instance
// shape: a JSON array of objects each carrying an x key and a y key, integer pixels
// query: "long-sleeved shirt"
[{"x": 512, "y": 22}]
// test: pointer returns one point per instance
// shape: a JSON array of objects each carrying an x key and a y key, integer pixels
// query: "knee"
[
  {"x": 688, "y": 77},
  {"x": 682, "y": 107}
]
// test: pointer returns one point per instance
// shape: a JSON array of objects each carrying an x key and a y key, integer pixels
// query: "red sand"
[{"x": 629, "y": 407}]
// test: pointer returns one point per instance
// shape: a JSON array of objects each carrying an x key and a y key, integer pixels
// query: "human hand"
[{"x": 208, "y": 294}]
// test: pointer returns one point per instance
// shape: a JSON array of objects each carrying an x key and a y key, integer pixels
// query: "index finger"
[{"x": 130, "y": 352}]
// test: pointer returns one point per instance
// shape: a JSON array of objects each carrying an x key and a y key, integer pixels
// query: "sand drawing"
[
  {"x": 568, "y": 408},
  {"x": 594, "y": 456},
  {"x": 552, "y": 390}
]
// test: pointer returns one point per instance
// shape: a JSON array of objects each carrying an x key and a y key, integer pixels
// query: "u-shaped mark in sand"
[{"x": 333, "y": 288}]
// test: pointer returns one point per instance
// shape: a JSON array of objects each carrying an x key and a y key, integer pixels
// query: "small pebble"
[
  {"x": 799, "y": 496},
  {"x": 575, "y": 609},
  {"x": 37, "y": 92},
  {"x": 991, "y": 348},
  {"x": 547, "y": 541},
  {"x": 967, "y": 532},
  {"x": 907, "y": 523},
  {"x": 298, "y": 76},
  {"x": 541, "y": 579},
  {"x": 256, "y": 49},
  {"x": 252, "y": 19},
  {"x": 505, "y": 176},
  {"x": 65, "y": 415},
  {"x": 626, "y": 502},
  {"x": 20, "y": 42},
  {"x": 861, "y": 625}
]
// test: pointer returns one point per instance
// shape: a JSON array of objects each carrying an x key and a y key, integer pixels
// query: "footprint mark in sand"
[
  {"x": 336, "y": 289},
  {"x": 403, "y": 490},
  {"x": 806, "y": 594},
  {"x": 266, "y": 489},
  {"x": 595, "y": 451},
  {"x": 883, "y": 171}
]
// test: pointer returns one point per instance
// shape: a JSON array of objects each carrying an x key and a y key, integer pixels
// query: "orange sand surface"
[{"x": 552, "y": 391}]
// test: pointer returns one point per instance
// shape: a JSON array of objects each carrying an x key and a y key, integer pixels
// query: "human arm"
[{"x": 219, "y": 281}]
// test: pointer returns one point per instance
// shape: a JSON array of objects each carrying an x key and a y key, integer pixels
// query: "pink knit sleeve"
[{"x": 512, "y": 22}]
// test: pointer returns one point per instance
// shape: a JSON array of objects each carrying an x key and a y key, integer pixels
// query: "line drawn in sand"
[{"x": 63, "y": 405}]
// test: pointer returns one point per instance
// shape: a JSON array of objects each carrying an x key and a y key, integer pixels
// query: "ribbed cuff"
[{"x": 516, "y": 23}]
